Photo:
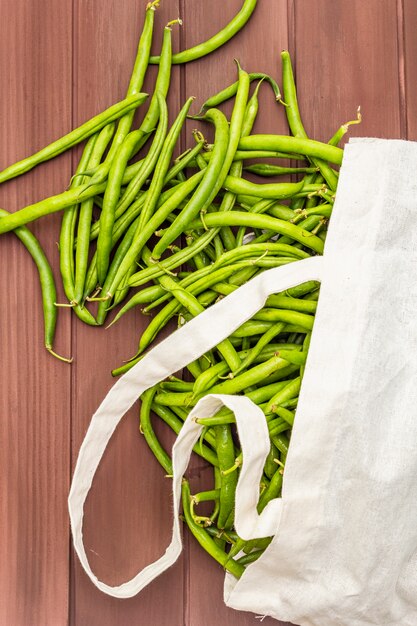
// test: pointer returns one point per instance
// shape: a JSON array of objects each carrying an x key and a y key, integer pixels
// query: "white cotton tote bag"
[{"x": 344, "y": 551}]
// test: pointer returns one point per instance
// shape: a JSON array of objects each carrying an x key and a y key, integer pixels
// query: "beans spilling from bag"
[{"x": 174, "y": 235}]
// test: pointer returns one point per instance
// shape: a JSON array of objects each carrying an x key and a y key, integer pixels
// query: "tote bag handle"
[{"x": 178, "y": 350}]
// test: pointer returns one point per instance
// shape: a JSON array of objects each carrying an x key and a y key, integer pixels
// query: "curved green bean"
[{"x": 220, "y": 38}]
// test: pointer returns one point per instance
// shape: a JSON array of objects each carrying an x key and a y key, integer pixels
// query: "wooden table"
[{"x": 62, "y": 61}]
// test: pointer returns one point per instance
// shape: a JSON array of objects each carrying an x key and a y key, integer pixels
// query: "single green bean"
[
  {"x": 230, "y": 91},
  {"x": 74, "y": 137},
  {"x": 294, "y": 118},
  {"x": 265, "y": 169},
  {"x": 237, "y": 218},
  {"x": 146, "y": 428},
  {"x": 220, "y": 38},
  {"x": 299, "y": 145},
  {"x": 47, "y": 282},
  {"x": 226, "y": 456},
  {"x": 289, "y": 391},
  {"x": 204, "y": 538}
]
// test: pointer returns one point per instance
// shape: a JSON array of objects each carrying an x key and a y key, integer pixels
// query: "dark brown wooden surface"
[{"x": 62, "y": 61}]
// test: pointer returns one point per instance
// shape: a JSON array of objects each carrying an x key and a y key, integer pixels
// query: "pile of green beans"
[{"x": 173, "y": 235}]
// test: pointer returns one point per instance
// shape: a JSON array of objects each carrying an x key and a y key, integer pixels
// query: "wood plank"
[
  {"x": 409, "y": 62},
  {"x": 34, "y": 388},
  {"x": 346, "y": 54},
  {"x": 128, "y": 514}
]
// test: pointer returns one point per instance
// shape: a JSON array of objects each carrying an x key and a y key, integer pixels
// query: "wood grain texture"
[
  {"x": 34, "y": 388},
  {"x": 346, "y": 55},
  {"x": 61, "y": 62},
  {"x": 408, "y": 20}
]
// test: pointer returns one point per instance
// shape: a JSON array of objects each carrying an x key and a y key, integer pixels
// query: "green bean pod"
[
  {"x": 226, "y": 455},
  {"x": 85, "y": 216},
  {"x": 204, "y": 538},
  {"x": 66, "y": 237},
  {"x": 292, "y": 145},
  {"x": 230, "y": 91},
  {"x": 220, "y": 38},
  {"x": 107, "y": 216},
  {"x": 47, "y": 282},
  {"x": 74, "y": 137}
]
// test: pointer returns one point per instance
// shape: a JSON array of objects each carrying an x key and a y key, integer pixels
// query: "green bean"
[
  {"x": 247, "y": 559},
  {"x": 184, "y": 160},
  {"x": 337, "y": 137},
  {"x": 49, "y": 205},
  {"x": 246, "y": 123},
  {"x": 231, "y": 259},
  {"x": 272, "y": 491},
  {"x": 285, "y": 414},
  {"x": 146, "y": 428},
  {"x": 162, "y": 165},
  {"x": 204, "y": 538},
  {"x": 289, "y": 391},
  {"x": 162, "y": 80},
  {"x": 178, "y": 258},
  {"x": 265, "y": 169},
  {"x": 299, "y": 145},
  {"x": 229, "y": 198},
  {"x": 236, "y": 125},
  {"x": 176, "y": 385},
  {"x": 323, "y": 210},
  {"x": 306, "y": 346},
  {"x": 185, "y": 298},
  {"x": 244, "y": 155},
  {"x": 150, "y": 160},
  {"x": 112, "y": 195},
  {"x": 208, "y": 187},
  {"x": 74, "y": 137},
  {"x": 283, "y": 315},
  {"x": 226, "y": 456},
  {"x": 270, "y": 463},
  {"x": 264, "y": 340},
  {"x": 282, "y": 443},
  {"x": 108, "y": 213},
  {"x": 47, "y": 282},
  {"x": 251, "y": 377},
  {"x": 118, "y": 259},
  {"x": 207, "y": 378},
  {"x": 175, "y": 424},
  {"x": 237, "y": 218},
  {"x": 220, "y": 38},
  {"x": 66, "y": 256},
  {"x": 137, "y": 77},
  {"x": 230, "y": 91},
  {"x": 203, "y": 496},
  {"x": 268, "y": 190},
  {"x": 251, "y": 328},
  {"x": 85, "y": 215},
  {"x": 179, "y": 194},
  {"x": 294, "y": 119},
  {"x": 266, "y": 205},
  {"x": 277, "y": 426}
]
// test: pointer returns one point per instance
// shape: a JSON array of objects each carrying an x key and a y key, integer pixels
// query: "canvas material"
[{"x": 344, "y": 552}]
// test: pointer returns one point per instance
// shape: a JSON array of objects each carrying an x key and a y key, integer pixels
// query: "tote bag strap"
[{"x": 178, "y": 350}]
